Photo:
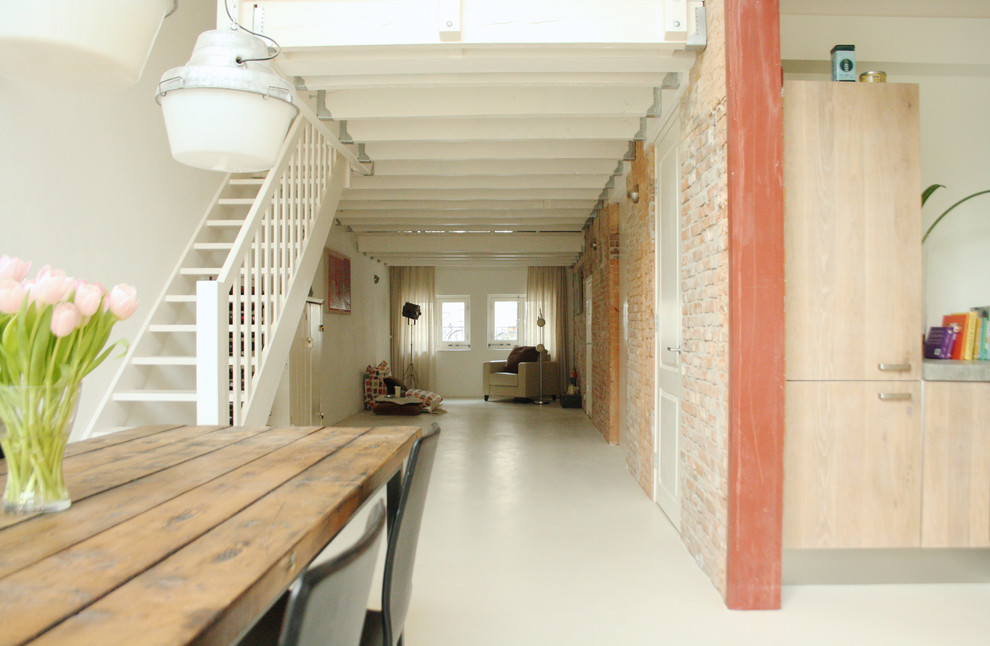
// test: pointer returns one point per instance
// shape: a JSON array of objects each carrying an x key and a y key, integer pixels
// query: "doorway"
[
  {"x": 587, "y": 345},
  {"x": 667, "y": 434}
]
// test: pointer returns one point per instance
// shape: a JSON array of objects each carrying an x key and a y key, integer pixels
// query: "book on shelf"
[
  {"x": 939, "y": 343},
  {"x": 982, "y": 351},
  {"x": 959, "y": 321}
]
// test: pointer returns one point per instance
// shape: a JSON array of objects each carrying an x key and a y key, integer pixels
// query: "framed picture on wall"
[{"x": 338, "y": 283}]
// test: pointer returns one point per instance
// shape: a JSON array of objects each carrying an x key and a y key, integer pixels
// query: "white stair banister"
[
  {"x": 211, "y": 373},
  {"x": 259, "y": 293}
]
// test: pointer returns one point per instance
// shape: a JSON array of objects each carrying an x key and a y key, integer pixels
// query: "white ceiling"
[
  {"x": 492, "y": 145},
  {"x": 493, "y": 127}
]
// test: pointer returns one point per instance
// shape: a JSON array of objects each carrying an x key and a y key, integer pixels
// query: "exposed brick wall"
[
  {"x": 705, "y": 287},
  {"x": 601, "y": 261},
  {"x": 637, "y": 293}
]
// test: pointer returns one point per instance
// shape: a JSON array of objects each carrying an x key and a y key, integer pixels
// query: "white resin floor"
[{"x": 536, "y": 534}]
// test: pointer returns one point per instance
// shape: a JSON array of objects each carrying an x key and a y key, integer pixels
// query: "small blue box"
[{"x": 844, "y": 63}]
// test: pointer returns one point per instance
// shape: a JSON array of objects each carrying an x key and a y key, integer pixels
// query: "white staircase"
[{"x": 214, "y": 345}]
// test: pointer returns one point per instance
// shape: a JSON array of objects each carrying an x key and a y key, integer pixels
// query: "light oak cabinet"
[
  {"x": 956, "y": 494},
  {"x": 852, "y": 186},
  {"x": 852, "y": 464},
  {"x": 852, "y": 183}
]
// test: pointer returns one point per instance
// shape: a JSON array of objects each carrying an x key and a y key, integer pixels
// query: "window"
[
  {"x": 505, "y": 320},
  {"x": 455, "y": 322}
]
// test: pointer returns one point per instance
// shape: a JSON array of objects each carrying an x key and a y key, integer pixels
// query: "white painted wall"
[
  {"x": 89, "y": 184},
  {"x": 459, "y": 371},
  {"x": 352, "y": 341},
  {"x": 955, "y": 148}
]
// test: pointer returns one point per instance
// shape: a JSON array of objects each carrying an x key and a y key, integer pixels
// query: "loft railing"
[{"x": 241, "y": 317}]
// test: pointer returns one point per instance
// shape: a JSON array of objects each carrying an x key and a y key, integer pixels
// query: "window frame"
[
  {"x": 498, "y": 344},
  {"x": 453, "y": 345}
]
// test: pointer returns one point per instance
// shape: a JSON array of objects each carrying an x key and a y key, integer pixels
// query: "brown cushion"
[
  {"x": 520, "y": 354},
  {"x": 395, "y": 408}
]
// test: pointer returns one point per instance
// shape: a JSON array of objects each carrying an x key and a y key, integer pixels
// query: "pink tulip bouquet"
[{"x": 54, "y": 330}]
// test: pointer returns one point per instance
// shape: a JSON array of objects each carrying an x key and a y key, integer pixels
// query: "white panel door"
[{"x": 667, "y": 491}]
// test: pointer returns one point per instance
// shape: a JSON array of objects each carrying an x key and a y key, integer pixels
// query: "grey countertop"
[{"x": 946, "y": 370}]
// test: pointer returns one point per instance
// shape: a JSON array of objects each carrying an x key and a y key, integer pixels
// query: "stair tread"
[
  {"x": 224, "y": 223},
  {"x": 172, "y": 327},
  {"x": 155, "y": 396},
  {"x": 154, "y": 360},
  {"x": 213, "y": 246},
  {"x": 236, "y": 201},
  {"x": 247, "y": 181},
  {"x": 195, "y": 271}
]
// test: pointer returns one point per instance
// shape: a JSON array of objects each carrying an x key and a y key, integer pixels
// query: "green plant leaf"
[
  {"x": 946, "y": 212},
  {"x": 927, "y": 193}
]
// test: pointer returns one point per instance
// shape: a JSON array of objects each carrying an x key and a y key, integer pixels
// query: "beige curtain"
[
  {"x": 413, "y": 285},
  {"x": 546, "y": 291}
]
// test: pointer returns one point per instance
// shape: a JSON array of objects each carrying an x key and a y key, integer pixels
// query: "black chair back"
[
  {"x": 327, "y": 604},
  {"x": 404, "y": 536}
]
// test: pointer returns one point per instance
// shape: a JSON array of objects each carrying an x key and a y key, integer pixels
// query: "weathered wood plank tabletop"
[{"x": 184, "y": 535}]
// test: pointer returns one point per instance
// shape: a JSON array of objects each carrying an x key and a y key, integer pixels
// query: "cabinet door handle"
[
  {"x": 673, "y": 349},
  {"x": 889, "y": 397},
  {"x": 894, "y": 367}
]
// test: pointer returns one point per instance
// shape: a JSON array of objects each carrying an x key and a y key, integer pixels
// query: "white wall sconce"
[
  {"x": 633, "y": 195},
  {"x": 227, "y": 109},
  {"x": 71, "y": 43}
]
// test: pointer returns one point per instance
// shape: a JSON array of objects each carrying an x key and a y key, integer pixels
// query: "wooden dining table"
[{"x": 185, "y": 534}]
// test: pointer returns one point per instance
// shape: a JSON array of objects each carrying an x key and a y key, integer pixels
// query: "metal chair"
[
  {"x": 326, "y": 605},
  {"x": 384, "y": 627}
]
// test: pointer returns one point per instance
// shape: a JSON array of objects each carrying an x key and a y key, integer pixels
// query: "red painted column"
[{"x": 756, "y": 303}]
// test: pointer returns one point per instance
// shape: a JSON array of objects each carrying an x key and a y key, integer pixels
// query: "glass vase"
[{"x": 34, "y": 428}]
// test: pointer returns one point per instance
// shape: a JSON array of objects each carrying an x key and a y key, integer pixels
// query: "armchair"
[{"x": 524, "y": 384}]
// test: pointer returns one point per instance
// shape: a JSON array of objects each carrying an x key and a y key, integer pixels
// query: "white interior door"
[
  {"x": 587, "y": 347},
  {"x": 305, "y": 385},
  {"x": 667, "y": 490}
]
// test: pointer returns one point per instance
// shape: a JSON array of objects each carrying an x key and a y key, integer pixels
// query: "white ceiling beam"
[
  {"x": 471, "y": 243},
  {"x": 475, "y": 262},
  {"x": 531, "y": 149},
  {"x": 488, "y": 102},
  {"x": 338, "y": 62},
  {"x": 499, "y": 80},
  {"x": 491, "y": 226},
  {"x": 456, "y": 216},
  {"x": 497, "y": 168},
  {"x": 494, "y": 205},
  {"x": 455, "y": 195},
  {"x": 474, "y": 129},
  {"x": 302, "y": 23},
  {"x": 422, "y": 182}
]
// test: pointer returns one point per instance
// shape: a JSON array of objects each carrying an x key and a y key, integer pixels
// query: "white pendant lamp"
[
  {"x": 227, "y": 109},
  {"x": 72, "y": 43}
]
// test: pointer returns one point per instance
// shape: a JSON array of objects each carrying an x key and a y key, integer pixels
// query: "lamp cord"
[{"x": 241, "y": 61}]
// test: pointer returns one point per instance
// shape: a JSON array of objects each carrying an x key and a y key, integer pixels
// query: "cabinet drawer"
[
  {"x": 956, "y": 494},
  {"x": 852, "y": 464}
]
